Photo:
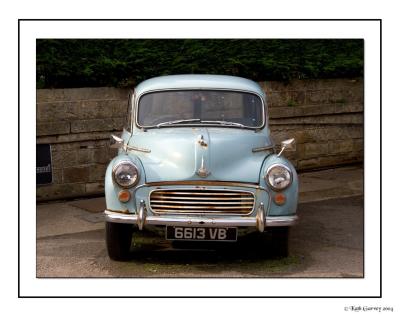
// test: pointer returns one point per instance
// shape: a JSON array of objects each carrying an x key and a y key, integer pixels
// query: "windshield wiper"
[
  {"x": 177, "y": 122},
  {"x": 221, "y": 122},
  {"x": 224, "y": 123}
]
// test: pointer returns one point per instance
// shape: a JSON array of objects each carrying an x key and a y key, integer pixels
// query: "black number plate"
[{"x": 201, "y": 233}]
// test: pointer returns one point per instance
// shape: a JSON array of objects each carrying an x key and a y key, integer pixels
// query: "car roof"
[{"x": 198, "y": 82}]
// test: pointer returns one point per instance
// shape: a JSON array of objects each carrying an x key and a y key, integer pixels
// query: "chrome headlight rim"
[
  {"x": 266, "y": 178},
  {"x": 125, "y": 162}
]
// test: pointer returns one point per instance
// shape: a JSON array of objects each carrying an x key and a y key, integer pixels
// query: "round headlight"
[
  {"x": 278, "y": 177},
  {"x": 126, "y": 174}
]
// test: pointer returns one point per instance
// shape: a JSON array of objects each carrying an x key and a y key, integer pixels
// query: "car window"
[
  {"x": 205, "y": 105},
  {"x": 129, "y": 112}
]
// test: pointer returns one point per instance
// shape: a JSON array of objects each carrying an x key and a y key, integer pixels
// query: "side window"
[{"x": 128, "y": 120}]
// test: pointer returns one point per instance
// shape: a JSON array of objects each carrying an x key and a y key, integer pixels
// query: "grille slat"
[
  {"x": 194, "y": 212},
  {"x": 199, "y": 207},
  {"x": 215, "y": 202},
  {"x": 201, "y": 201},
  {"x": 193, "y": 193},
  {"x": 202, "y": 198}
]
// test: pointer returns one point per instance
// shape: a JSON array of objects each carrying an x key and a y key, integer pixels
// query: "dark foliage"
[{"x": 120, "y": 63}]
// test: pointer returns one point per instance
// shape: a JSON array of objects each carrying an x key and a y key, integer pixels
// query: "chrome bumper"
[{"x": 259, "y": 222}]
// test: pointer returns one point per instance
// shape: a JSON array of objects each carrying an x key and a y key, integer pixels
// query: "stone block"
[
  {"x": 283, "y": 112},
  {"x": 319, "y": 134},
  {"x": 277, "y": 99},
  {"x": 302, "y": 136},
  {"x": 339, "y": 132},
  {"x": 286, "y": 98},
  {"x": 266, "y": 86},
  {"x": 340, "y": 119},
  {"x": 52, "y": 128},
  {"x": 317, "y": 96},
  {"x": 119, "y": 108},
  {"x": 92, "y": 109},
  {"x": 118, "y": 123},
  {"x": 77, "y": 174},
  {"x": 312, "y": 110},
  {"x": 57, "y": 176},
  {"x": 98, "y": 93},
  {"x": 329, "y": 161},
  {"x": 73, "y": 94},
  {"x": 61, "y": 159},
  {"x": 74, "y": 145},
  {"x": 358, "y": 145},
  {"x": 94, "y": 188},
  {"x": 79, "y": 110},
  {"x": 97, "y": 172},
  {"x": 279, "y": 136},
  {"x": 341, "y": 146},
  {"x": 56, "y": 111},
  {"x": 346, "y": 146},
  {"x": 298, "y": 97},
  {"x": 56, "y": 191},
  {"x": 340, "y": 159},
  {"x": 85, "y": 155},
  {"x": 291, "y": 155},
  {"x": 300, "y": 150},
  {"x": 104, "y": 155},
  {"x": 315, "y": 149},
  {"x": 73, "y": 140},
  {"x": 49, "y": 95},
  {"x": 307, "y": 164},
  {"x": 291, "y": 85},
  {"x": 90, "y": 125},
  {"x": 347, "y": 95}
]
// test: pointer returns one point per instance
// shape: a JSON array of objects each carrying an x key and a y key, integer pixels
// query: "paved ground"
[{"x": 328, "y": 242}]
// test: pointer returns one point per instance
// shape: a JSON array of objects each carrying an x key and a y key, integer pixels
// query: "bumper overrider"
[{"x": 142, "y": 218}]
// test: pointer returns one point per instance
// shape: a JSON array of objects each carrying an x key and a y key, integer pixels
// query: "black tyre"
[
  {"x": 280, "y": 241},
  {"x": 118, "y": 240}
]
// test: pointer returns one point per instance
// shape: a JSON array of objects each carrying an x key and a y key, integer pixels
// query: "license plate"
[{"x": 201, "y": 233}]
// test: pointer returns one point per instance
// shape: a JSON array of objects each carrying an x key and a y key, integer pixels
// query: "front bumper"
[{"x": 259, "y": 221}]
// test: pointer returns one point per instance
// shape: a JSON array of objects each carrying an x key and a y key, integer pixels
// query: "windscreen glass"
[{"x": 198, "y": 107}]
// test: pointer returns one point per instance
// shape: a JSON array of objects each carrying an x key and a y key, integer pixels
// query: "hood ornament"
[
  {"x": 202, "y": 171},
  {"x": 201, "y": 141}
]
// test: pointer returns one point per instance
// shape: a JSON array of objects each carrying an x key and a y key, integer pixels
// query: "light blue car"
[{"x": 196, "y": 158}]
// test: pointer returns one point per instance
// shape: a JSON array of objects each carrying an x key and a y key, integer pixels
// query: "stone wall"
[
  {"x": 325, "y": 117},
  {"x": 78, "y": 123}
]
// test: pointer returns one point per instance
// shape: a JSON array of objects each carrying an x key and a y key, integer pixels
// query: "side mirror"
[
  {"x": 289, "y": 145},
  {"x": 116, "y": 142}
]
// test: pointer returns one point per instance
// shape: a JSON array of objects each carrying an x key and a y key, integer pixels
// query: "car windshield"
[{"x": 200, "y": 107}]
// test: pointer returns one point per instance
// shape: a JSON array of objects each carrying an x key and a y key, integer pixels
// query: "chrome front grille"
[{"x": 201, "y": 201}]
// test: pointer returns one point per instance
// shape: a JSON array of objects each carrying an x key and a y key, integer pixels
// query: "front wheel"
[
  {"x": 118, "y": 240},
  {"x": 280, "y": 241}
]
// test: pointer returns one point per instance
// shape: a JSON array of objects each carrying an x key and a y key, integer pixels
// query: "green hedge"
[{"x": 65, "y": 63}]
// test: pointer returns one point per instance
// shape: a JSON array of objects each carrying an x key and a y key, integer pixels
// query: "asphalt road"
[{"x": 327, "y": 242}]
